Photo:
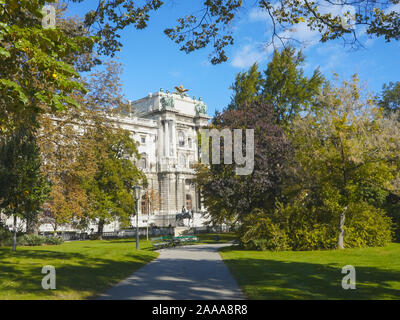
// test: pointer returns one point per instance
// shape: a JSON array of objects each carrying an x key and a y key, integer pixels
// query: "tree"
[
  {"x": 70, "y": 154},
  {"x": 69, "y": 161},
  {"x": 23, "y": 187},
  {"x": 211, "y": 23},
  {"x": 348, "y": 154},
  {"x": 152, "y": 198},
  {"x": 246, "y": 87},
  {"x": 110, "y": 189},
  {"x": 286, "y": 87},
  {"x": 282, "y": 84},
  {"x": 152, "y": 203},
  {"x": 34, "y": 75},
  {"x": 105, "y": 91},
  {"x": 231, "y": 197},
  {"x": 333, "y": 20},
  {"x": 389, "y": 98}
]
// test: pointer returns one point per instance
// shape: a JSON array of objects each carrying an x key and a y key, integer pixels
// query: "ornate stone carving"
[
  {"x": 167, "y": 102},
  {"x": 201, "y": 107}
]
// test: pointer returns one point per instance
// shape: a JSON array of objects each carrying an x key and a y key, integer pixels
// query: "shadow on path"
[{"x": 186, "y": 273}]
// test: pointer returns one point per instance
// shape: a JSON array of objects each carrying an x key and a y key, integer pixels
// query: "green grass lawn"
[
  {"x": 83, "y": 268},
  {"x": 316, "y": 274},
  {"x": 210, "y": 237}
]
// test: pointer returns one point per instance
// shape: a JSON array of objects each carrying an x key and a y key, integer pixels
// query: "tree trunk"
[
  {"x": 341, "y": 229},
  {"x": 100, "y": 229},
  {"x": 32, "y": 226},
  {"x": 14, "y": 243}
]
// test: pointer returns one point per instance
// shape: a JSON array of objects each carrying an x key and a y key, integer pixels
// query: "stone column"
[
  {"x": 173, "y": 131},
  {"x": 184, "y": 192},
  {"x": 166, "y": 139},
  {"x": 160, "y": 140},
  {"x": 177, "y": 191}
]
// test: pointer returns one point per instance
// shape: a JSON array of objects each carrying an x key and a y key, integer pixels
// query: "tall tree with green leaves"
[
  {"x": 283, "y": 85},
  {"x": 110, "y": 190},
  {"x": 70, "y": 156},
  {"x": 35, "y": 75},
  {"x": 23, "y": 187},
  {"x": 69, "y": 161},
  {"x": 246, "y": 87},
  {"x": 389, "y": 99},
  {"x": 349, "y": 155},
  {"x": 286, "y": 87}
]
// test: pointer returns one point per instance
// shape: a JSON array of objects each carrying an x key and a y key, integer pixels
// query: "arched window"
[
  {"x": 143, "y": 161},
  {"x": 188, "y": 202},
  {"x": 181, "y": 139},
  {"x": 182, "y": 160}
]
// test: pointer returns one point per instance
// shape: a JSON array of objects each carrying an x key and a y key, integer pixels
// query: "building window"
[
  {"x": 188, "y": 202},
  {"x": 188, "y": 184},
  {"x": 190, "y": 143},
  {"x": 182, "y": 160},
  {"x": 181, "y": 138},
  {"x": 143, "y": 162},
  {"x": 143, "y": 139}
]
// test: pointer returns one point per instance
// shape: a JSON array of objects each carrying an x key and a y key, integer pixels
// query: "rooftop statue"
[
  {"x": 181, "y": 91},
  {"x": 167, "y": 101},
  {"x": 201, "y": 107}
]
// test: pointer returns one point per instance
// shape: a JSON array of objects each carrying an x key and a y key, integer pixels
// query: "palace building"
[{"x": 165, "y": 125}]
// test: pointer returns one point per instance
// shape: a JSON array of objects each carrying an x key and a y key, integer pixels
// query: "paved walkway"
[{"x": 194, "y": 272}]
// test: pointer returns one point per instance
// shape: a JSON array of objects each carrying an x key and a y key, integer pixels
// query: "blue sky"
[{"x": 152, "y": 61}]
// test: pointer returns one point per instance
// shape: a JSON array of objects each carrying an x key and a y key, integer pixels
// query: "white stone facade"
[{"x": 165, "y": 126}]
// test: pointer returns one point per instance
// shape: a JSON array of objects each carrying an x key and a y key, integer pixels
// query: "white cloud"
[
  {"x": 333, "y": 57},
  {"x": 258, "y": 14},
  {"x": 175, "y": 74},
  {"x": 302, "y": 33},
  {"x": 393, "y": 8},
  {"x": 249, "y": 54},
  {"x": 369, "y": 42}
]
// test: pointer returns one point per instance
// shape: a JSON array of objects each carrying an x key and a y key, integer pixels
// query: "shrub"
[
  {"x": 35, "y": 240},
  {"x": 5, "y": 236},
  {"x": 298, "y": 227},
  {"x": 54, "y": 241},
  {"x": 310, "y": 228},
  {"x": 261, "y": 233},
  {"x": 367, "y": 226},
  {"x": 317, "y": 236},
  {"x": 31, "y": 240},
  {"x": 393, "y": 211}
]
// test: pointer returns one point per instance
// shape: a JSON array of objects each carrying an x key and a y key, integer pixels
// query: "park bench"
[
  {"x": 186, "y": 239},
  {"x": 162, "y": 242},
  {"x": 168, "y": 241}
]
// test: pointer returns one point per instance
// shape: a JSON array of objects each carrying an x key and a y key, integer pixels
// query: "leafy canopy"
[
  {"x": 34, "y": 74},
  {"x": 282, "y": 84}
]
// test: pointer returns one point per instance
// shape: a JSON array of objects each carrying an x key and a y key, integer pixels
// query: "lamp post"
[{"x": 137, "y": 192}]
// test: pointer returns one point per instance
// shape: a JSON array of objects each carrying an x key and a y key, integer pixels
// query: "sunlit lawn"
[
  {"x": 211, "y": 237},
  {"x": 316, "y": 274},
  {"x": 83, "y": 268}
]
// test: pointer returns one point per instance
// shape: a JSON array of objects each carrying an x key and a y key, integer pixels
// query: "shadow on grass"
[
  {"x": 77, "y": 275},
  {"x": 272, "y": 279},
  {"x": 211, "y": 238}
]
